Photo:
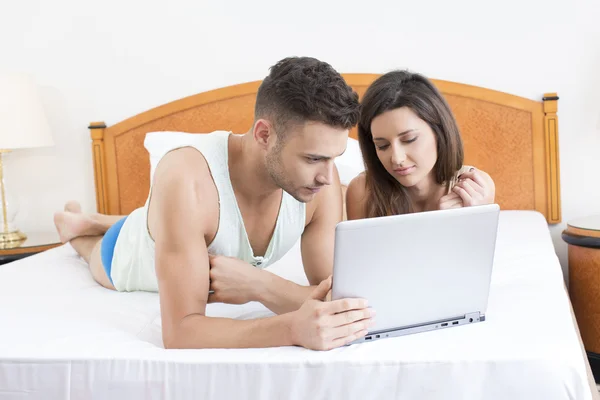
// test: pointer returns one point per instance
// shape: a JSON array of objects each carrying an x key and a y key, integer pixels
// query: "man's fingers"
[
  {"x": 342, "y": 305},
  {"x": 352, "y": 329},
  {"x": 212, "y": 298},
  {"x": 350, "y": 317},
  {"x": 320, "y": 292},
  {"x": 338, "y": 329},
  {"x": 211, "y": 260},
  {"x": 348, "y": 339}
]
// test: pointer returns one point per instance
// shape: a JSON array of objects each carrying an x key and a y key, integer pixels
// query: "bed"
[{"x": 65, "y": 337}]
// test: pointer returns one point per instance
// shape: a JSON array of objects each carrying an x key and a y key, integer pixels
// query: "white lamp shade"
[{"x": 23, "y": 122}]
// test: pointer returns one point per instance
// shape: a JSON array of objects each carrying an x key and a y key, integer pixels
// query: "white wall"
[{"x": 108, "y": 60}]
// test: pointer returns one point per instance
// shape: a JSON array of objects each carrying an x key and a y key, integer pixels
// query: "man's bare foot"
[
  {"x": 73, "y": 206},
  {"x": 71, "y": 225}
]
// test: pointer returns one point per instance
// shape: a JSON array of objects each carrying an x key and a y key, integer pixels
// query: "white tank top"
[{"x": 133, "y": 266}]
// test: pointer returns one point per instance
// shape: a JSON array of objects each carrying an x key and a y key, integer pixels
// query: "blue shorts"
[{"x": 107, "y": 248}]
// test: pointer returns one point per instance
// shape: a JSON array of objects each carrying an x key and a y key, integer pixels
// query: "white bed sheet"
[{"x": 62, "y": 336}]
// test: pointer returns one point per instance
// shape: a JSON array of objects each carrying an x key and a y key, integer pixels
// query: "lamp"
[{"x": 23, "y": 124}]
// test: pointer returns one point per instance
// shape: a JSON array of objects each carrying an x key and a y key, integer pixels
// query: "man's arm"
[
  {"x": 281, "y": 295},
  {"x": 318, "y": 239},
  {"x": 180, "y": 207}
]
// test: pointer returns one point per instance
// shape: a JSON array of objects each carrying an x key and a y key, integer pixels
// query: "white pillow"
[
  {"x": 350, "y": 163},
  {"x": 158, "y": 143}
]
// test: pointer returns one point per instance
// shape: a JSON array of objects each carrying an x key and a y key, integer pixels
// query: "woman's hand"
[
  {"x": 475, "y": 188},
  {"x": 451, "y": 200}
]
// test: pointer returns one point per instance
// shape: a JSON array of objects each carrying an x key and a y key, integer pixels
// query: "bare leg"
[
  {"x": 72, "y": 223},
  {"x": 106, "y": 221},
  {"x": 73, "y": 206},
  {"x": 88, "y": 247}
]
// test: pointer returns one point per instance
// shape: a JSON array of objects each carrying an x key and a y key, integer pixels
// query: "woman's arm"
[{"x": 356, "y": 198}]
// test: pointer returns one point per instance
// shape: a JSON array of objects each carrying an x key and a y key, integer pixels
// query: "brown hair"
[
  {"x": 301, "y": 89},
  {"x": 396, "y": 89}
]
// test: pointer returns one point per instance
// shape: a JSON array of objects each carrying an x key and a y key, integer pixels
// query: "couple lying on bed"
[{"x": 223, "y": 206}]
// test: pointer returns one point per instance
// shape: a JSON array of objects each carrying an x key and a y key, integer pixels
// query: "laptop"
[{"x": 420, "y": 272}]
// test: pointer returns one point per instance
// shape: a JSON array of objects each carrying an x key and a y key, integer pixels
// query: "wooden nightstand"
[
  {"x": 583, "y": 237},
  {"x": 36, "y": 242}
]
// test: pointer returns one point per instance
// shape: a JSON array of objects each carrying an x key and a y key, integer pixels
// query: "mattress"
[{"x": 62, "y": 336}]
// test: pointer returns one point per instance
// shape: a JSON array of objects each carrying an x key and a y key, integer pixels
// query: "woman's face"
[{"x": 405, "y": 145}]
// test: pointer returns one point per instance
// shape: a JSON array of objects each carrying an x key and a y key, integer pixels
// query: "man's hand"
[
  {"x": 320, "y": 325},
  {"x": 233, "y": 281},
  {"x": 475, "y": 188}
]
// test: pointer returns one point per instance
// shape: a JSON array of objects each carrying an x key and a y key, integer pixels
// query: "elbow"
[
  {"x": 171, "y": 342},
  {"x": 178, "y": 345},
  {"x": 172, "y": 339},
  {"x": 180, "y": 335}
]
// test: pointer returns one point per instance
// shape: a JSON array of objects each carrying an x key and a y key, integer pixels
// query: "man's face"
[{"x": 305, "y": 162}]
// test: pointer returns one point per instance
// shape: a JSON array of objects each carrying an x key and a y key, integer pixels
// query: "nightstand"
[
  {"x": 583, "y": 238},
  {"x": 36, "y": 242}
]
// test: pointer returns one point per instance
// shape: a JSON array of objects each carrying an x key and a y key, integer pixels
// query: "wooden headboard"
[{"x": 512, "y": 138}]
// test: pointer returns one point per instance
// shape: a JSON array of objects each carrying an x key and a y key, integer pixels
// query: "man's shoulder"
[
  {"x": 183, "y": 194},
  {"x": 327, "y": 200},
  {"x": 183, "y": 170},
  {"x": 184, "y": 162}
]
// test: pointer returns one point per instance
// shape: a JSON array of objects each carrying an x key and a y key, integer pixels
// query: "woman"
[{"x": 413, "y": 153}]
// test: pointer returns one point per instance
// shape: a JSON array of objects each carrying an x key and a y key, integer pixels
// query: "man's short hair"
[{"x": 302, "y": 89}]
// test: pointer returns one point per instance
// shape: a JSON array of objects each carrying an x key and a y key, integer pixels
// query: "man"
[{"x": 223, "y": 206}]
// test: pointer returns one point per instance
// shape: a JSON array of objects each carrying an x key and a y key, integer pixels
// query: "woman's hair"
[{"x": 396, "y": 89}]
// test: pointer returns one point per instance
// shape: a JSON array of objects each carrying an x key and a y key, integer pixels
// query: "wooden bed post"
[
  {"x": 97, "y": 134},
  {"x": 552, "y": 157}
]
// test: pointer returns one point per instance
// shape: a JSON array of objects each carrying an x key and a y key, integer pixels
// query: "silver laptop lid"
[{"x": 417, "y": 268}]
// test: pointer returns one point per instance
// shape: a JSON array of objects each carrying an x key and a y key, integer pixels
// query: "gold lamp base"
[{"x": 11, "y": 240}]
